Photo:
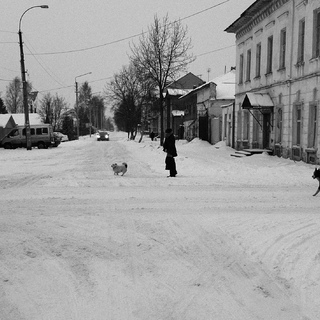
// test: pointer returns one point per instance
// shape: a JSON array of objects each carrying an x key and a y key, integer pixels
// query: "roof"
[
  {"x": 247, "y": 16},
  {"x": 225, "y": 86},
  {"x": 19, "y": 118},
  {"x": 5, "y": 119},
  {"x": 257, "y": 101},
  {"x": 187, "y": 81}
]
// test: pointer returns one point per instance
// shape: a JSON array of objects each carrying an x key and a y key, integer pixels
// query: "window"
[
  {"x": 241, "y": 69},
  {"x": 258, "y": 60},
  {"x": 45, "y": 130},
  {"x": 269, "y": 54},
  {"x": 239, "y": 124},
  {"x": 302, "y": 25},
  {"x": 279, "y": 126},
  {"x": 248, "y": 70},
  {"x": 283, "y": 41},
  {"x": 297, "y": 124},
  {"x": 316, "y": 33},
  {"x": 32, "y": 131},
  {"x": 38, "y": 131},
  {"x": 14, "y": 133},
  {"x": 313, "y": 125}
]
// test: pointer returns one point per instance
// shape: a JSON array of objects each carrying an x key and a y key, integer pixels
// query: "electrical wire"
[
  {"x": 129, "y": 37},
  {"x": 106, "y": 44},
  {"x": 50, "y": 74}
]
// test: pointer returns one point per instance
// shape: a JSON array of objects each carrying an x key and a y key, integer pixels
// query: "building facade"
[
  {"x": 203, "y": 108},
  {"x": 174, "y": 112},
  {"x": 278, "y": 78}
]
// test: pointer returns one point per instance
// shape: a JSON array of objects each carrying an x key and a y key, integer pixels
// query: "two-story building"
[
  {"x": 278, "y": 74},
  {"x": 173, "y": 115},
  {"x": 203, "y": 107}
]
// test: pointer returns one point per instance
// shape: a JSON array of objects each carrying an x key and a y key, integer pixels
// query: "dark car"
[{"x": 102, "y": 135}]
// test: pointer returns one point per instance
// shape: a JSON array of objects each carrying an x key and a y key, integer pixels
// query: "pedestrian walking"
[{"x": 169, "y": 146}]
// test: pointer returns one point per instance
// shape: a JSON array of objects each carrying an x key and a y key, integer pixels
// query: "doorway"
[{"x": 266, "y": 130}]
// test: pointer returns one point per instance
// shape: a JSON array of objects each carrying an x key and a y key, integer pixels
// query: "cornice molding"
[{"x": 260, "y": 16}]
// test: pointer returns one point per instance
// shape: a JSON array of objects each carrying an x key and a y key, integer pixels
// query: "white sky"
[{"x": 78, "y": 25}]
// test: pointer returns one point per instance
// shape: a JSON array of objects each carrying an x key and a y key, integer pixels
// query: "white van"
[{"x": 41, "y": 136}]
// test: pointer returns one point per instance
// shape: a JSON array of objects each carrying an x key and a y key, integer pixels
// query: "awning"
[{"x": 258, "y": 101}]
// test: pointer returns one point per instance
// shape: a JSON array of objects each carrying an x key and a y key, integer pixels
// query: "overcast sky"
[{"x": 74, "y": 37}]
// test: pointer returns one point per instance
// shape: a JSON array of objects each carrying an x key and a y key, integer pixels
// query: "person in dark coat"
[{"x": 169, "y": 146}]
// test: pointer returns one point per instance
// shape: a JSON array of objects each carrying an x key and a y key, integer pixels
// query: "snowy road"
[{"x": 228, "y": 239}]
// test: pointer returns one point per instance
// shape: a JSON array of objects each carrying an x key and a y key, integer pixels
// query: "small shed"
[{"x": 7, "y": 123}]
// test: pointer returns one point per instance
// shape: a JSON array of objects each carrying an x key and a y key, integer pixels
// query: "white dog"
[{"x": 119, "y": 168}]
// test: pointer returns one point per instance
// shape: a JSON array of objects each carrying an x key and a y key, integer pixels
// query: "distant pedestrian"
[
  {"x": 152, "y": 135},
  {"x": 169, "y": 146}
]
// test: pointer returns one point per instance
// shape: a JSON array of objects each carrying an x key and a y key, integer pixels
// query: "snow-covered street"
[{"x": 227, "y": 239}]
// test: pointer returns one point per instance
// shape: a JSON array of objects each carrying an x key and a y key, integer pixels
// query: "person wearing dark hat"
[{"x": 169, "y": 146}]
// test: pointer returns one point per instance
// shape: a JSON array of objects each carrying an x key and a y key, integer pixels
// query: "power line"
[
  {"x": 51, "y": 74},
  {"x": 126, "y": 38},
  {"x": 216, "y": 50},
  {"x": 5, "y": 31},
  {"x": 204, "y": 10}
]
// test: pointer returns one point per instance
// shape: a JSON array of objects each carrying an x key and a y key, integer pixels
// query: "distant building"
[
  {"x": 202, "y": 105},
  {"x": 173, "y": 115},
  {"x": 277, "y": 82}
]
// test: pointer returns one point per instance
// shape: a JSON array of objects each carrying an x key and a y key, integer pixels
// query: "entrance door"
[
  {"x": 266, "y": 130},
  {"x": 203, "y": 128}
]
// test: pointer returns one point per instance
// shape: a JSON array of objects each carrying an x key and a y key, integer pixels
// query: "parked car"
[
  {"x": 41, "y": 136},
  {"x": 63, "y": 137},
  {"x": 102, "y": 135},
  {"x": 57, "y": 139}
]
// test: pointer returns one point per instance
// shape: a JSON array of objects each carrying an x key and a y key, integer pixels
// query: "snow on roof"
[
  {"x": 177, "y": 92},
  {"x": 4, "y": 118},
  {"x": 226, "y": 85},
  {"x": 177, "y": 113},
  {"x": 19, "y": 118}
]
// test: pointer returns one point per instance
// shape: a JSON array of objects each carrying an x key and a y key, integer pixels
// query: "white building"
[{"x": 278, "y": 74}]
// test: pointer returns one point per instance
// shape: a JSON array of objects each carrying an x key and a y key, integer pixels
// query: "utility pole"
[
  {"x": 24, "y": 81},
  {"x": 25, "y": 95}
]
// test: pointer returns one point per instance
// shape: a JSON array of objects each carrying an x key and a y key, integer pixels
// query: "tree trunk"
[{"x": 161, "y": 119}]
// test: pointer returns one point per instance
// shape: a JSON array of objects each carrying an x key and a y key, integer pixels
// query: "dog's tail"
[{"x": 125, "y": 164}]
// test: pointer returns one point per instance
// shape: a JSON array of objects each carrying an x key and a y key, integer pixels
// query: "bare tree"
[
  {"x": 51, "y": 110},
  {"x": 127, "y": 93},
  {"x": 14, "y": 98},
  {"x": 161, "y": 54},
  {"x": 59, "y": 107},
  {"x": 45, "y": 110}
]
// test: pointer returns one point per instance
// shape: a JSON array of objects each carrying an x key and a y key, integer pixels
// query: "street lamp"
[
  {"x": 24, "y": 82},
  {"x": 75, "y": 80}
]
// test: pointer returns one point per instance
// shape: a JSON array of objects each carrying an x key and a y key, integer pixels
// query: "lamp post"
[
  {"x": 24, "y": 82},
  {"x": 75, "y": 80}
]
